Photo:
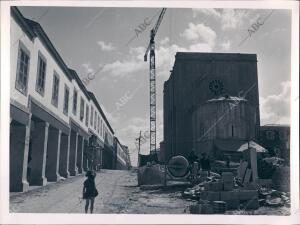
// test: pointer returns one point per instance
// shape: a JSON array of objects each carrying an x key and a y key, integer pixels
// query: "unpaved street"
[{"x": 118, "y": 193}]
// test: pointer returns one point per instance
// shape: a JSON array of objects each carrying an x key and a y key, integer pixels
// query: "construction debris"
[{"x": 218, "y": 193}]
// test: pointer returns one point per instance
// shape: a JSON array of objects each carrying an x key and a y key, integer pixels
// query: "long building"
[
  {"x": 57, "y": 126},
  {"x": 122, "y": 158},
  {"x": 198, "y": 99}
]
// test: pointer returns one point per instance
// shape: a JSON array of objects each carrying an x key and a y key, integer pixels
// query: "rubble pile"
[
  {"x": 268, "y": 166},
  {"x": 219, "y": 195},
  {"x": 216, "y": 194},
  {"x": 273, "y": 198}
]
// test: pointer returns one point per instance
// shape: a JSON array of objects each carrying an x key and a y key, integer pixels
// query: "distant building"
[
  {"x": 122, "y": 158},
  {"x": 276, "y": 139},
  {"x": 202, "y": 88},
  {"x": 127, "y": 153}
]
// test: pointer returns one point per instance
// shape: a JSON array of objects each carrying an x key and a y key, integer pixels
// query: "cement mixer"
[
  {"x": 177, "y": 169},
  {"x": 178, "y": 166}
]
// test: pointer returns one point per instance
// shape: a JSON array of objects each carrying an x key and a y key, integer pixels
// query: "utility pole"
[{"x": 139, "y": 149}]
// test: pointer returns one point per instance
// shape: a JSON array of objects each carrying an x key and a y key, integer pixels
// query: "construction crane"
[{"x": 151, "y": 48}]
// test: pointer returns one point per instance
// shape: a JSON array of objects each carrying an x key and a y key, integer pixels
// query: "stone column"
[
  {"x": 39, "y": 152},
  {"x": 85, "y": 159},
  {"x": 64, "y": 155},
  {"x": 80, "y": 146},
  {"x": 73, "y": 153},
  {"x": 53, "y": 152},
  {"x": 18, "y": 156}
]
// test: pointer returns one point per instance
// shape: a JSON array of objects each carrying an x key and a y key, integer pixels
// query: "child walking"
[{"x": 89, "y": 190}]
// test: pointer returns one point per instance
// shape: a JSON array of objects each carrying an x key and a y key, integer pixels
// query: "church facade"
[{"x": 211, "y": 101}]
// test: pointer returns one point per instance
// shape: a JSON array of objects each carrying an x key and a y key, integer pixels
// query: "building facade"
[
  {"x": 57, "y": 127},
  {"x": 276, "y": 139},
  {"x": 195, "y": 81},
  {"x": 122, "y": 158}
]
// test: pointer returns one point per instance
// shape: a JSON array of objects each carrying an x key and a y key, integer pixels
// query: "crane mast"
[
  {"x": 152, "y": 96},
  {"x": 151, "y": 48}
]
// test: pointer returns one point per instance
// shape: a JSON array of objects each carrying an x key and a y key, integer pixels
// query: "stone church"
[{"x": 211, "y": 104}]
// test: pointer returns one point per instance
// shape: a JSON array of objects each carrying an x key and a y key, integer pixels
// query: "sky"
[{"x": 113, "y": 41}]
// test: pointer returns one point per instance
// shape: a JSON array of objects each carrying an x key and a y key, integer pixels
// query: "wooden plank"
[
  {"x": 247, "y": 176},
  {"x": 253, "y": 159},
  {"x": 242, "y": 170}
]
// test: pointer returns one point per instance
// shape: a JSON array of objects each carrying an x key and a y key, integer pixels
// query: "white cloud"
[
  {"x": 200, "y": 32},
  {"x": 207, "y": 12},
  {"x": 203, "y": 38},
  {"x": 107, "y": 47},
  {"x": 225, "y": 45},
  {"x": 233, "y": 18},
  {"x": 87, "y": 67},
  {"x": 164, "y": 41},
  {"x": 229, "y": 18},
  {"x": 276, "y": 108},
  {"x": 137, "y": 53},
  {"x": 200, "y": 47},
  {"x": 166, "y": 56},
  {"x": 123, "y": 68},
  {"x": 126, "y": 67},
  {"x": 134, "y": 62}
]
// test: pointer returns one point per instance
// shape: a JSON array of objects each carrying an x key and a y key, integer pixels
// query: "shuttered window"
[{"x": 22, "y": 69}]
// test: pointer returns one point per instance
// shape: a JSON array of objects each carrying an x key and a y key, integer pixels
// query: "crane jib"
[{"x": 154, "y": 31}]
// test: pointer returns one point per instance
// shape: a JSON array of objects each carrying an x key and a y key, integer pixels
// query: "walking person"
[
  {"x": 193, "y": 165},
  {"x": 89, "y": 190},
  {"x": 205, "y": 163}
]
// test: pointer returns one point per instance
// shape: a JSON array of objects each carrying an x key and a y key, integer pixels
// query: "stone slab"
[
  {"x": 214, "y": 186},
  {"x": 245, "y": 195},
  {"x": 229, "y": 195},
  {"x": 210, "y": 195},
  {"x": 227, "y": 176},
  {"x": 228, "y": 186}
]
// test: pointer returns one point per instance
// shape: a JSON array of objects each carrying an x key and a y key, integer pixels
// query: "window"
[
  {"x": 98, "y": 124},
  {"x": 66, "y": 100},
  {"x": 282, "y": 135},
  {"x": 75, "y": 93},
  {"x": 41, "y": 75},
  {"x": 101, "y": 128},
  {"x": 105, "y": 133},
  {"x": 55, "y": 89},
  {"x": 22, "y": 69},
  {"x": 92, "y": 114},
  {"x": 95, "y": 123},
  {"x": 232, "y": 131},
  {"x": 81, "y": 109},
  {"x": 270, "y": 135},
  {"x": 87, "y": 115}
]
